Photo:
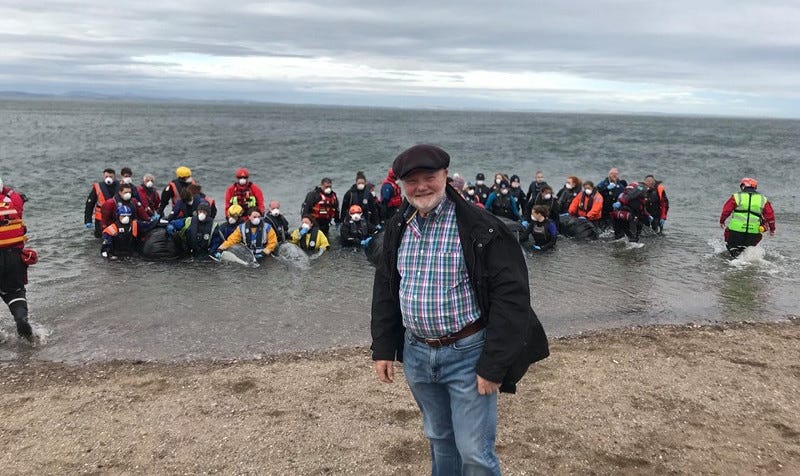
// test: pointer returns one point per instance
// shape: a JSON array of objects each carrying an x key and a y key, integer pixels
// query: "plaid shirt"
[{"x": 436, "y": 297}]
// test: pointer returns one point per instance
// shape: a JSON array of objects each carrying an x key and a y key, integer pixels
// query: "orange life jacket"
[
  {"x": 101, "y": 199},
  {"x": 12, "y": 228},
  {"x": 113, "y": 229},
  {"x": 325, "y": 208}
]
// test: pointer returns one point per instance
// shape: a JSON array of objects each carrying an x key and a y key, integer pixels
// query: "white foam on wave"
[{"x": 40, "y": 334}]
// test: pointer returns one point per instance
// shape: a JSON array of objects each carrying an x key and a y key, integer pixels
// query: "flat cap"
[{"x": 420, "y": 157}]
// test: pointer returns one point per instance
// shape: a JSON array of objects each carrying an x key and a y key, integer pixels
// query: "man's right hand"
[{"x": 385, "y": 370}]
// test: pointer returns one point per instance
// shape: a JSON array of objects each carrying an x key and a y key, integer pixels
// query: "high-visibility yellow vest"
[{"x": 747, "y": 216}]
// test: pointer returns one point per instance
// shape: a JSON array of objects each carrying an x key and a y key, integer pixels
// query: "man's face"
[
  {"x": 424, "y": 189},
  {"x": 539, "y": 178},
  {"x": 613, "y": 176},
  {"x": 650, "y": 182},
  {"x": 108, "y": 175}
]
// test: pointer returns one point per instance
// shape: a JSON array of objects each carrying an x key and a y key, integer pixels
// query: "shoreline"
[{"x": 718, "y": 398}]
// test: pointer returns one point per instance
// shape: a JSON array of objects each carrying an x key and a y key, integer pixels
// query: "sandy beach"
[{"x": 720, "y": 399}]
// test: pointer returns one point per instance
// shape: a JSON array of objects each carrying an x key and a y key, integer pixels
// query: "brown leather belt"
[{"x": 472, "y": 328}]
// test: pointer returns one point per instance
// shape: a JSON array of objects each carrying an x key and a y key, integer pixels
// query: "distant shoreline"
[{"x": 718, "y": 398}]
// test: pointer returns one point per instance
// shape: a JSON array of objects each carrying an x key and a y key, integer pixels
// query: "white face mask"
[
  {"x": 588, "y": 191},
  {"x": 328, "y": 190},
  {"x": 276, "y": 212},
  {"x": 547, "y": 196},
  {"x": 108, "y": 180},
  {"x": 504, "y": 191},
  {"x": 232, "y": 220},
  {"x": 479, "y": 182},
  {"x": 360, "y": 186},
  {"x": 149, "y": 184},
  {"x": 126, "y": 196},
  {"x": 305, "y": 226},
  {"x": 569, "y": 186},
  {"x": 125, "y": 219},
  {"x": 355, "y": 217},
  {"x": 255, "y": 221},
  {"x": 201, "y": 216},
  {"x": 470, "y": 192},
  {"x": 497, "y": 181},
  {"x": 374, "y": 194},
  {"x": 127, "y": 180},
  {"x": 242, "y": 181}
]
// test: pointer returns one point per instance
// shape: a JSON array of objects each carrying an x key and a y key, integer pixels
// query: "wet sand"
[{"x": 721, "y": 399}]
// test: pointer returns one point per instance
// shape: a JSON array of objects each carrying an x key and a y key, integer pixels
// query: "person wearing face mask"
[
  {"x": 149, "y": 196},
  {"x": 572, "y": 187},
  {"x": 120, "y": 237},
  {"x": 470, "y": 194},
  {"x": 126, "y": 176},
  {"x": 629, "y": 212},
  {"x": 657, "y": 203},
  {"x": 172, "y": 192},
  {"x": 355, "y": 229},
  {"x": 516, "y": 190},
  {"x": 244, "y": 193},
  {"x": 359, "y": 195},
  {"x": 194, "y": 233},
  {"x": 256, "y": 234},
  {"x": 309, "y": 237},
  {"x": 587, "y": 205},
  {"x": 501, "y": 203},
  {"x": 15, "y": 259},
  {"x": 541, "y": 228},
  {"x": 101, "y": 192},
  {"x": 535, "y": 187},
  {"x": 277, "y": 221},
  {"x": 481, "y": 188},
  {"x": 223, "y": 230},
  {"x": 124, "y": 196},
  {"x": 498, "y": 179},
  {"x": 548, "y": 198},
  {"x": 610, "y": 188},
  {"x": 191, "y": 196},
  {"x": 323, "y": 204}
]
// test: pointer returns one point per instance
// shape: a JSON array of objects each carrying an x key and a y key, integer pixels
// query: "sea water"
[{"x": 92, "y": 309}]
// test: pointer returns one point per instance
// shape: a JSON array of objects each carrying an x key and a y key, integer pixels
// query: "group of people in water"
[{"x": 125, "y": 215}]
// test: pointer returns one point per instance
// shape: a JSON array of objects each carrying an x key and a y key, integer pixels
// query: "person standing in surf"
[{"x": 751, "y": 214}]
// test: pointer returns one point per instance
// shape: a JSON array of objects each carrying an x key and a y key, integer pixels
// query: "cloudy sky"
[{"x": 700, "y": 57}]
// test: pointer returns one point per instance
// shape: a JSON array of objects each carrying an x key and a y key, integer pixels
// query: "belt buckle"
[{"x": 436, "y": 342}]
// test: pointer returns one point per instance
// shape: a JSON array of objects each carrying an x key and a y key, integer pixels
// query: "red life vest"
[
  {"x": 243, "y": 197},
  {"x": 12, "y": 228},
  {"x": 101, "y": 199},
  {"x": 325, "y": 208},
  {"x": 397, "y": 197}
]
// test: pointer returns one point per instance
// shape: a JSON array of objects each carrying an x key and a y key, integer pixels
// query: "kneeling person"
[
  {"x": 355, "y": 229},
  {"x": 255, "y": 234},
  {"x": 542, "y": 228},
  {"x": 309, "y": 237},
  {"x": 120, "y": 238},
  {"x": 194, "y": 232}
]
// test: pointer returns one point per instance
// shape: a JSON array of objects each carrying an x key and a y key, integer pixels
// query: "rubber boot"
[{"x": 19, "y": 309}]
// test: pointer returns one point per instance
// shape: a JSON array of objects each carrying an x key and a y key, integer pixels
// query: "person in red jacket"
[
  {"x": 149, "y": 196},
  {"x": 751, "y": 215},
  {"x": 391, "y": 197},
  {"x": 588, "y": 204},
  {"x": 123, "y": 197},
  {"x": 14, "y": 259},
  {"x": 244, "y": 193}
]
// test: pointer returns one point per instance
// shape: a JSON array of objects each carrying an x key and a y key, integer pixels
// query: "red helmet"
[
  {"x": 242, "y": 173},
  {"x": 748, "y": 182},
  {"x": 355, "y": 209}
]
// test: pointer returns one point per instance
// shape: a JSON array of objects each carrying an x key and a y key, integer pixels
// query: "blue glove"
[
  {"x": 662, "y": 222},
  {"x": 611, "y": 186},
  {"x": 170, "y": 229},
  {"x": 524, "y": 224},
  {"x": 581, "y": 218},
  {"x": 616, "y": 206},
  {"x": 218, "y": 255},
  {"x": 88, "y": 226},
  {"x": 258, "y": 255},
  {"x": 537, "y": 247},
  {"x": 650, "y": 219},
  {"x": 378, "y": 228},
  {"x": 155, "y": 217},
  {"x": 564, "y": 215},
  {"x": 365, "y": 242},
  {"x": 303, "y": 231}
]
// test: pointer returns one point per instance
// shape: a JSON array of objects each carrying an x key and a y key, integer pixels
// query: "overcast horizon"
[{"x": 709, "y": 57}]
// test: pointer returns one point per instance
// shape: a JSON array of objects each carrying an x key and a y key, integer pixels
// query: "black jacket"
[
  {"x": 365, "y": 200},
  {"x": 498, "y": 274}
]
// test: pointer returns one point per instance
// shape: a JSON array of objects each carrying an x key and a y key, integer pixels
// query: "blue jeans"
[{"x": 460, "y": 424}]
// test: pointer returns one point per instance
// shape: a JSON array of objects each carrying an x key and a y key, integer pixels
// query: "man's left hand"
[{"x": 486, "y": 387}]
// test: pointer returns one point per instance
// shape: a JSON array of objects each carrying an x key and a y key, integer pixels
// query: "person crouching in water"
[
  {"x": 543, "y": 230},
  {"x": 629, "y": 212},
  {"x": 223, "y": 230},
  {"x": 309, "y": 237},
  {"x": 194, "y": 232},
  {"x": 355, "y": 229},
  {"x": 120, "y": 237},
  {"x": 257, "y": 235}
]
